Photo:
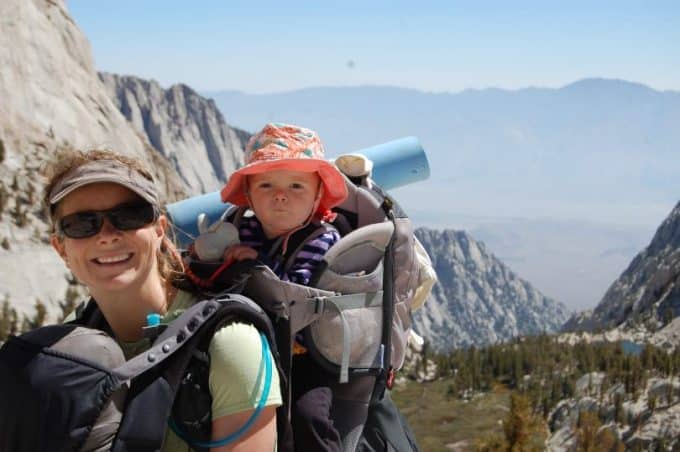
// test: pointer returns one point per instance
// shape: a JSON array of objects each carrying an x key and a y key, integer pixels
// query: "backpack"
[
  {"x": 68, "y": 387},
  {"x": 356, "y": 313}
]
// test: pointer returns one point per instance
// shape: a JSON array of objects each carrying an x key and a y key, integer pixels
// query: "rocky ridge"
[
  {"x": 187, "y": 129},
  {"x": 477, "y": 299},
  {"x": 647, "y": 292},
  {"x": 53, "y": 98}
]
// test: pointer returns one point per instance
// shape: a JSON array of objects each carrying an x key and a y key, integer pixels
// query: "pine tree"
[
  {"x": 4, "y": 196},
  {"x": 38, "y": 319},
  {"x": 586, "y": 431},
  {"x": 651, "y": 402},
  {"x": 618, "y": 408},
  {"x": 5, "y": 320},
  {"x": 69, "y": 304},
  {"x": 516, "y": 425}
]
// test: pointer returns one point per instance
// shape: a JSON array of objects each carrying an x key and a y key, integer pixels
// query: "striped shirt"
[{"x": 306, "y": 261}]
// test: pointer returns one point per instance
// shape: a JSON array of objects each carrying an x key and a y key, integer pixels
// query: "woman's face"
[{"x": 112, "y": 260}]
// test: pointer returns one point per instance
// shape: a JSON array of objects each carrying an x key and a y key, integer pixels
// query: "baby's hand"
[{"x": 239, "y": 253}]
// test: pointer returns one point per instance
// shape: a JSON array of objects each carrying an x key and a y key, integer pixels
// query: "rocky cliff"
[
  {"x": 51, "y": 94},
  {"x": 52, "y": 97},
  {"x": 477, "y": 299},
  {"x": 648, "y": 291},
  {"x": 186, "y": 128}
]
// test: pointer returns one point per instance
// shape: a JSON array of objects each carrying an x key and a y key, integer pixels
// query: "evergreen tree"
[
  {"x": 5, "y": 320},
  {"x": 651, "y": 402},
  {"x": 618, "y": 408},
  {"x": 4, "y": 196},
  {"x": 586, "y": 431},
  {"x": 517, "y": 423},
  {"x": 38, "y": 319}
]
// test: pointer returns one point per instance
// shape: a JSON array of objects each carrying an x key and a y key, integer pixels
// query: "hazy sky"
[{"x": 431, "y": 45}]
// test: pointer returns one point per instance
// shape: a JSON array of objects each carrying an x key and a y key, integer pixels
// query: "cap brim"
[
  {"x": 101, "y": 171},
  {"x": 100, "y": 179}
]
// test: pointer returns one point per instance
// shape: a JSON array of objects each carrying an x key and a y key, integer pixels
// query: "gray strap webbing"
[{"x": 313, "y": 308}]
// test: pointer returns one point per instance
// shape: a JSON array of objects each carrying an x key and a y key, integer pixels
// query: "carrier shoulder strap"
[
  {"x": 157, "y": 373},
  {"x": 392, "y": 211}
]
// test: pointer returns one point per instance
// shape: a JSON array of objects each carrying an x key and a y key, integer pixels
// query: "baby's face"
[{"x": 283, "y": 200}]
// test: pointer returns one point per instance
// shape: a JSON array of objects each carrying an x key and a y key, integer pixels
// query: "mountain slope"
[
  {"x": 187, "y": 129},
  {"x": 478, "y": 300},
  {"x": 51, "y": 97},
  {"x": 649, "y": 289}
]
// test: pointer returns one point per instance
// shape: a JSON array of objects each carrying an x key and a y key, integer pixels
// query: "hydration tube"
[{"x": 267, "y": 359}]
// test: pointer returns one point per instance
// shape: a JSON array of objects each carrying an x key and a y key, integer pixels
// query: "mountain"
[
  {"x": 515, "y": 150},
  {"x": 187, "y": 129},
  {"x": 52, "y": 98},
  {"x": 596, "y": 158},
  {"x": 477, "y": 299},
  {"x": 51, "y": 95},
  {"x": 647, "y": 291}
]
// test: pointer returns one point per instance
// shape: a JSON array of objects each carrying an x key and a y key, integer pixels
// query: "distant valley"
[{"x": 567, "y": 184}]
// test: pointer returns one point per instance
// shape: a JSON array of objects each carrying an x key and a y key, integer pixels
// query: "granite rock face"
[
  {"x": 477, "y": 299},
  {"x": 187, "y": 129},
  {"x": 651, "y": 423},
  {"x": 51, "y": 94},
  {"x": 648, "y": 291},
  {"x": 51, "y": 98}
]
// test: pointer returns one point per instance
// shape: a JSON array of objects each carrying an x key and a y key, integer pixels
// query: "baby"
[{"x": 289, "y": 185}]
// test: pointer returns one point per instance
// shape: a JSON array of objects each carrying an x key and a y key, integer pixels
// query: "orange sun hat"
[{"x": 287, "y": 147}]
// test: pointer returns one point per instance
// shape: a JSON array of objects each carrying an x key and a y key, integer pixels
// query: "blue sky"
[{"x": 432, "y": 46}]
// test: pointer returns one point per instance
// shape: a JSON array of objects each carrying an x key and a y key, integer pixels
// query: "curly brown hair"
[{"x": 170, "y": 263}]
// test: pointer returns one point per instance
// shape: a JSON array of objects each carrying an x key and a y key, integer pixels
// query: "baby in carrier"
[{"x": 289, "y": 186}]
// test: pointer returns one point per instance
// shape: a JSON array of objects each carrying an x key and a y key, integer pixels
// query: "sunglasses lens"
[
  {"x": 124, "y": 218},
  {"x": 128, "y": 217},
  {"x": 81, "y": 224}
]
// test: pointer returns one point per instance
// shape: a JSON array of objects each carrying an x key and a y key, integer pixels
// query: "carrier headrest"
[
  {"x": 363, "y": 203},
  {"x": 361, "y": 249}
]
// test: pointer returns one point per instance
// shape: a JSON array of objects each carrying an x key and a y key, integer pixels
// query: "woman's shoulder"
[
  {"x": 236, "y": 336},
  {"x": 238, "y": 363}
]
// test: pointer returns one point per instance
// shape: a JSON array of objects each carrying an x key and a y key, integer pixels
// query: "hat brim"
[{"x": 335, "y": 188}]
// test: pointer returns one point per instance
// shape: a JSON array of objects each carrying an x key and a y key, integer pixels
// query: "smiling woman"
[{"x": 110, "y": 231}]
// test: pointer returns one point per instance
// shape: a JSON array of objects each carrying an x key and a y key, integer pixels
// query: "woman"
[{"x": 109, "y": 230}]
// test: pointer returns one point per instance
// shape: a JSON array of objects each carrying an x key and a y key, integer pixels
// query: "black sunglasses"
[{"x": 125, "y": 217}]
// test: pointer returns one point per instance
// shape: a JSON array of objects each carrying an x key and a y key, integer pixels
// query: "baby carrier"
[
  {"x": 68, "y": 387},
  {"x": 355, "y": 315}
]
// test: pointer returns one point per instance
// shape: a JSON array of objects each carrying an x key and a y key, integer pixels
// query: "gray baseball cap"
[{"x": 105, "y": 171}]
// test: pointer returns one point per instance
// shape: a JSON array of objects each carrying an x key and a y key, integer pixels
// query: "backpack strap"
[
  {"x": 156, "y": 374},
  {"x": 386, "y": 377},
  {"x": 181, "y": 338}
]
